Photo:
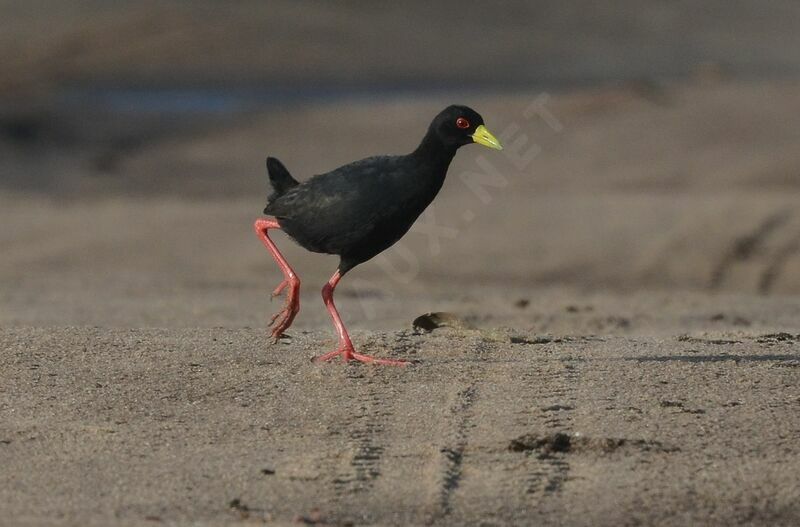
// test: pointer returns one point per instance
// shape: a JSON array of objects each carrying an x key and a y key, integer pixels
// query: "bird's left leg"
[
  {"x": 345, "y": 348},
  {"x": 283, "y": 318}
]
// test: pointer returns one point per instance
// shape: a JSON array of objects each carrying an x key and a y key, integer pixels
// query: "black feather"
[{"x": 280, "y": 178}]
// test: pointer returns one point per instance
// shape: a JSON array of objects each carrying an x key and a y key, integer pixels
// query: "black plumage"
[{"x": 361, "y": 209}]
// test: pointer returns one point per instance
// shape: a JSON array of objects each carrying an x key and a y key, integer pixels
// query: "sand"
[{"x": 216, "y": 426}]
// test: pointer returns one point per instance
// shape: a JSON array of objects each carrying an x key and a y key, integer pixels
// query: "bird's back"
[{"x": 359, "y": 209}]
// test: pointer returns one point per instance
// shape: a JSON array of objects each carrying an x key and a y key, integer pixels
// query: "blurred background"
[{"x": 652, "y": 157}]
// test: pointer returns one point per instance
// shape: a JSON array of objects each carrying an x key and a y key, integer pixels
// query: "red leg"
[
  {"x": 283, "y": 318},
  {"x": 345, "y": 348}
]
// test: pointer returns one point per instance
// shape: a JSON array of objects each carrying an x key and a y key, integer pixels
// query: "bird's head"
[{"x": 461, "y": 125}]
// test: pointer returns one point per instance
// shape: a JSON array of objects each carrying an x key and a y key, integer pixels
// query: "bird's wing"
[
  {"x": 354, "y": 185},
  {"x": 340, "y": 204}
]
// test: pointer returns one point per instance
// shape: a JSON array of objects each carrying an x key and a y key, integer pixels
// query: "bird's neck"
[{"x": 433, "y": 152}]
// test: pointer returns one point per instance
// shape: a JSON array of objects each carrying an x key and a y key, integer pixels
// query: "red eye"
[{"x": 462, "y": 123}]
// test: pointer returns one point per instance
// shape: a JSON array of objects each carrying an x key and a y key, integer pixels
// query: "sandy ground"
[
  {"x": 215, "y": 426},
  {"x": 629, "y": 267},
  {"x": 636, "y": 357}
]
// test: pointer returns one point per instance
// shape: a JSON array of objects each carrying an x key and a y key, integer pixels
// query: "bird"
[{"x": 359, "y": 210}]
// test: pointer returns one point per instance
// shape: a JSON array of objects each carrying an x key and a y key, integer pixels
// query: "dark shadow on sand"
[{"x": 718, "y": 358}]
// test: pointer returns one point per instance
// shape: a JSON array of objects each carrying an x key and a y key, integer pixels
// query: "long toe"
[
  {"x": 281, "y": 320},
  {"x": 279, "y": 323},
  {"x": 348, "y": 354},
  {"x": 374, "y": 360},
  {"x": 329, "y": 356}
]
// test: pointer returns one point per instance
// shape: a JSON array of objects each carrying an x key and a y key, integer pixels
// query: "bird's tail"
[{"x": 280, "y": 178}]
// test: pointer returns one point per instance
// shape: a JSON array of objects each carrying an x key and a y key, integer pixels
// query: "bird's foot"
[
  {"x": 348, "y": 353},
  {"x": 281, "y": 320}
]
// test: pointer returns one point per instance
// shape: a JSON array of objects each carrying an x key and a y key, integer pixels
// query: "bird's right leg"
[
  {"x": 345, "y": 349},
  {"x": 280, "y": 321}
]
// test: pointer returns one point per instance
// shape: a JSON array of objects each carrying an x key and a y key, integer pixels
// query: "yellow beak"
[{"x": 484, "y": 137}]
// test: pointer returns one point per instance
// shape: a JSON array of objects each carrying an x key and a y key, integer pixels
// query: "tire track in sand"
[
  {"x": 547, "y": 473},
  {"x": 426, "y": 438},
  {"x": 532, "y": 394},
  {"x": 747, "y": 245},
  {"x": 449, "y": 428},
  {"x": 369, "y": 410},
  {"x": 777, "y": 266},
  {"x": 453, "y": 452}
]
